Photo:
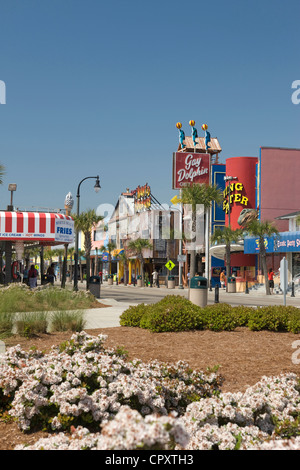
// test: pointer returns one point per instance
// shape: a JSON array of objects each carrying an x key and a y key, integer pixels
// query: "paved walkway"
[{"x": 105, "y": 317}]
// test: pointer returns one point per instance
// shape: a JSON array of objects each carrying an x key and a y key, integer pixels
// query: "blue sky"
[{"x": 96, "y": 87}]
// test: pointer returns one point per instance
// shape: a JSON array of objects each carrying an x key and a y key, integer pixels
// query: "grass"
[
  {"x": 28, "y": 312},
  {"x": 19, "y": 298}
]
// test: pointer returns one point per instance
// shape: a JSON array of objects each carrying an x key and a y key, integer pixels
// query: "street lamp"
[
  {"x": 229, "y": 178},
  {"x": 97, "y": 188},
  {"x": 11, "y": 187}
]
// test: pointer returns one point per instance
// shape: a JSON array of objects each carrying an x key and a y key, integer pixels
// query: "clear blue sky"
[{"x": 96, "y": 87}]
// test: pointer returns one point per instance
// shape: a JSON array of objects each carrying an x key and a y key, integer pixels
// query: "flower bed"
[{"x": 90, "y": 397}]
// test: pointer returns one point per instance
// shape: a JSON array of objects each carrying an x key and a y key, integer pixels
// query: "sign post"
[{"x": 283, "y": 278}]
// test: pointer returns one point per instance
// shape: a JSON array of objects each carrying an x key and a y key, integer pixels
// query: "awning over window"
[{"x": 50, "y": 228}]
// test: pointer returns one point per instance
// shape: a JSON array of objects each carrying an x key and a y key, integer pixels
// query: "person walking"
[
  {"x": 51, "y": 274},
  {"x": 155, "y": 277},
  {"x": 271, "y": 280},
  {"x": 222, "y": 279}
]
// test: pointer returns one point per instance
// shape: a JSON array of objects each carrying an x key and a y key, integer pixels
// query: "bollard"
[
  {"x": 293, "y": 289},
  {"x": 217, "y": 294},
  {"x": 247, "y": 290}
]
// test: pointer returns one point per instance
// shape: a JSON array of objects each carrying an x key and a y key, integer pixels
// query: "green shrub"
[
  {"x": 218, "y": 317},
  {"x": 175, "y": 313},
  {"x": 293, "y": 323},
  {"x": 273, "y": 318},
  {"x": 172, "y": 313},
  {"x": 133, "y": 314},
  {"x": 242, "y": 314}
]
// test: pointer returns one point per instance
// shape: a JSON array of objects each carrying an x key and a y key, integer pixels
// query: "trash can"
[
  {"x": 231, "y": 287},
  {"x": 198, "y": 291},
  {"x": 139, "y": 281},
  {"x": 94, "y": 286},
  {"x": 110, "y": 279},
  {"x": 171, "y": 282}
]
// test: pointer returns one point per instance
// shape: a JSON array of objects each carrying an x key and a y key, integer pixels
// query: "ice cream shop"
[{"x": 21, "y": 229}]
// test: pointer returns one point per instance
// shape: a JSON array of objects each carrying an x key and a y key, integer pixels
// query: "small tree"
[
  {"x": 199, "y": 194},
  {"x": 137, "y": 247},
  {"x": 226, "y": 236},
  {"x": 260, "y": 229},
  {"x": 109, "y": 248},
  {"x": 123, "y": 258},
  {"x": 85, "y": 223}
]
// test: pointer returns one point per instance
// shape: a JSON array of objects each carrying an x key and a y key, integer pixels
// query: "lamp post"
[
  {"x": 11, "y": 187},
  {"x": 97, "y": 187},
  {"x": 229, "y": 178}
]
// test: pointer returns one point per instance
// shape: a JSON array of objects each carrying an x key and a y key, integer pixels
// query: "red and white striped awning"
[{"x": 46, "y": 227}]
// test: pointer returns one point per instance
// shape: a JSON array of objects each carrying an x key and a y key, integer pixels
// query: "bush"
[
  {"x": 133, "y": 314},
  {"x": 273, "y": 318},
  {"x": 218, "y": 317},
  {"x": 173, "y": 313}
]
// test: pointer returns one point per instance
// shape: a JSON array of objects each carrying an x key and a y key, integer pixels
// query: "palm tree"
[
  {"x": 262, "y": 229},
  {"x": 109, "y": 248},
  {"x": 85, "y": 223},
  {"x": 59, "y": 252},
  {"x": 137, "y": 247},
  {"x": 71, "y": 251},
  {"x": 226, "y": 236},
  {"x": 123, "y": 258},
  {"x": 81, "y": 255},
  {"x": 194, "y": 195}
]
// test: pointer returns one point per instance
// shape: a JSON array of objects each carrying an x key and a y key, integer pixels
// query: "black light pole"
[{"x": 97, "y": 187}]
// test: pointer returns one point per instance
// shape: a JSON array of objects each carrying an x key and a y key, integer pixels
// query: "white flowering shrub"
[
  {"x": 105, "y": 402},
  {"x": 84, "y": 384}
]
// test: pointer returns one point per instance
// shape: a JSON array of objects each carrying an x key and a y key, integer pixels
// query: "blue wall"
[{"x": 217, "y": 218}]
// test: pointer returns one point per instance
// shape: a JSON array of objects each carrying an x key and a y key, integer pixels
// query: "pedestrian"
[
  {"x": 32, "y": 277},
  {"x": 25, "y": 276},
  {"x": 222, "y": 279},
  {"x": 271, "y": 280},
  {"x": 51, "y": 274},
  {"x": 155, "y": 277}
]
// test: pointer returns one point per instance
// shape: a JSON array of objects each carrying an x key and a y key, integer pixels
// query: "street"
[{"x": 149, "y": 295}]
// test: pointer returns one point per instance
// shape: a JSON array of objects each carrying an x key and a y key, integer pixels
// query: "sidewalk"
[{"x": 105, "y": 317}]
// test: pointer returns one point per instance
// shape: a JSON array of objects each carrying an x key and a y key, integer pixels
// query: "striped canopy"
[{"x": 50, "y": 228}]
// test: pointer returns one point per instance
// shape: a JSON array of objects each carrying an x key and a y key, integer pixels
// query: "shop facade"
[{"x": 21, "y": 229}]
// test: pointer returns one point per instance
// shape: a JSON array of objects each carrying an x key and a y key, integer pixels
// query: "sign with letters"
[
  {"x": 190, "y": 168},
  {"x": 64, "y": 230}
]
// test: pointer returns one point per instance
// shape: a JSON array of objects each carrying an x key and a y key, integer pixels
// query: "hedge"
[{"x": 175, "y": 313}]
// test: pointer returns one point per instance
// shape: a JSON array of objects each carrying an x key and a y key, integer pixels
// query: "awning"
[
  {"x": 46, "y": 227},
  {"x": 218, "y": 251}
]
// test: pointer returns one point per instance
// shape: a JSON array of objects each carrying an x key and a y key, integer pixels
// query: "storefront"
[
  {"x": 20, "y": 229},
  {"x": 285, "y": 244}
]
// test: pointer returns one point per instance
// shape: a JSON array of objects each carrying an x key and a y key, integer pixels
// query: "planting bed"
[{"x": 244, "y": 357}]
